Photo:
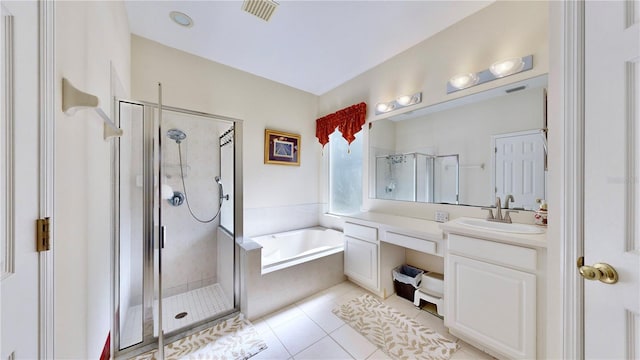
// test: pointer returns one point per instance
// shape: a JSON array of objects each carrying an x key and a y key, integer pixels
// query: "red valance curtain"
[{"x": 348, "y": 121}]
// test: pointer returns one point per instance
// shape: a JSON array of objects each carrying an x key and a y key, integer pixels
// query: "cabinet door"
[
  {"x": 361, "y": 261},
  {"x": 493, "y": 305}
]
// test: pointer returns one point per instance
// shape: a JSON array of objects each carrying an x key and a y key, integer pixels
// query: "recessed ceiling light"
[{"x": 181, "y": 19}]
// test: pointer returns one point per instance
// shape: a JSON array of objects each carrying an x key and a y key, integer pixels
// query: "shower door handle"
[{"x": 163, "y": 236}]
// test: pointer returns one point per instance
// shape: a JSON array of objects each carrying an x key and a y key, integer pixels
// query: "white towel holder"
[{"x": 74, "y": 99}]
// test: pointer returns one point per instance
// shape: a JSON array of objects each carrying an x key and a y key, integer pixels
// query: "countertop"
[
  {"x": 423, "y": 228},
  {"x": 432, "y": 230},
  {"x": 532, "y": 240}
]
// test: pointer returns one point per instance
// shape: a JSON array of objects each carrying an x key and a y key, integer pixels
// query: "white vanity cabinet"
[
  {"x": 374, "y": 244},
  {"x": 361, "y": 254},
  {"x": 494, "y": 295}
]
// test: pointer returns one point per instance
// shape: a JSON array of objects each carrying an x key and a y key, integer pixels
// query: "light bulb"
[
  {"x": 463, "y": 81},
  {"x": 404, "y": 100},
  {"x": 384, "y": 107},
  {"x": 506, "y": 67}
]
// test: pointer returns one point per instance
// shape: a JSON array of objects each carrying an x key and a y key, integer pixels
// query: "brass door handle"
[{"x": 599, "y": 271}]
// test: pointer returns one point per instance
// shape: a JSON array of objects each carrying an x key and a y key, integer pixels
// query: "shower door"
[
  {"x": 192, "y": 195},
  {"x": 175, "y": 265}
]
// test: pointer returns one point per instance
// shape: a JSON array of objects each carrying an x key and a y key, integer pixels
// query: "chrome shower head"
[{"x": 176, "y": 135}]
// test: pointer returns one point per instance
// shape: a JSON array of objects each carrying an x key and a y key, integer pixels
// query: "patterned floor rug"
[
  {"x": 393, "y": 332},
  {"x": 232, "y": 339}
]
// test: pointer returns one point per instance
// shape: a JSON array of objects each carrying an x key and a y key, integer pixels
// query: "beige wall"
[
  {"x": 191, "y": 82},
  {"x": 90, "y": 38},
  {"x": 502, "y": 30}
]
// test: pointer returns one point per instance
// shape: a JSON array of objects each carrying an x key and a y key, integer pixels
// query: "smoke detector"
[{"x": 263, "y": 9}]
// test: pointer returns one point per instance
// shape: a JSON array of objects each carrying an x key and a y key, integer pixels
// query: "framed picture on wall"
[{"x": 281, "y": 148}]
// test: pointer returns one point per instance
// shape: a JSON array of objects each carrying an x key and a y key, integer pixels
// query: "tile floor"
[{"x": 309, "y": 330}]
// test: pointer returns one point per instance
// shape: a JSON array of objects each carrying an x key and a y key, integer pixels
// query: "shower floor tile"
[{"x": 199, "y": 304}]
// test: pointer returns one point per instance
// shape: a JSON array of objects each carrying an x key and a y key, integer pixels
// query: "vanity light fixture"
[
  {"x": 399, "y": 103},
  {"x": 497, "y": 70}
]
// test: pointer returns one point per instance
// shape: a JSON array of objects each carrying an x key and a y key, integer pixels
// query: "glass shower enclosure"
[
  {"x": 177, "y": 217},
  {"x": 417, "y": 177}
]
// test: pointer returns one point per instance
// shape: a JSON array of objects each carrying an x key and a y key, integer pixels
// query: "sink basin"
[{"x": 502, "y": 227}]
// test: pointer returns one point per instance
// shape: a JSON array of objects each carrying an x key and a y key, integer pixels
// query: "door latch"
[{"x": 599, "y": 271}]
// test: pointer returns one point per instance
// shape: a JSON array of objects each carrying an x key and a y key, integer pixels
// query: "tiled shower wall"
[{"x": 190, "y": 252}]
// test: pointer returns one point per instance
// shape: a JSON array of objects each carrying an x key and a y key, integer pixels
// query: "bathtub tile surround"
[
  {"x": 340, "y": 341},
  {"x": 272, "y": 220},
  {"x": 263, "y": 291}
]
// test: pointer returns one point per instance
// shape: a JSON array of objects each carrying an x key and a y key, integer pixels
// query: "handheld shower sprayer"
[
  {"x": 179, "y": 136},
  {"x": 221, "y": 190}
]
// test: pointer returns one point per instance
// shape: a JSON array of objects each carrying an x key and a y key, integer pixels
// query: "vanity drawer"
[
  {"x": 499, "y": 253},
  {"x": 422, "y": 245},
  {"x": 363, "y": 232}
]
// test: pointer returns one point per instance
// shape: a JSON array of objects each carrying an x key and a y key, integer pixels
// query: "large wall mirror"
[{"x": 465, "y": 151}]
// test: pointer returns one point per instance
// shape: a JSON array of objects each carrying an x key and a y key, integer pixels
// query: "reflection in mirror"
[
  {"x": 417, "y": 177},
  {"x": 466, "y": 151}
]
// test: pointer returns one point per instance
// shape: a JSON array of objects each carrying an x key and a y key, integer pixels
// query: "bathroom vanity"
[
  {"x": 375, "y": 243},
  {"x": 495, "y": 286},
  {"x": 494, "y": 274}
]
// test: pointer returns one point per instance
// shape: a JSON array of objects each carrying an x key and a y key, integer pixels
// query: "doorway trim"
[
  {"x": 568, "y": 48},
  {"x": 46, "y": 123}
]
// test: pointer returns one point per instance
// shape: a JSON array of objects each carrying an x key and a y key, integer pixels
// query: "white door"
[
  {"x": 612, "y": 175},
  {"x": 19, "y": 287},
  {"x": 519, "y": 167}
]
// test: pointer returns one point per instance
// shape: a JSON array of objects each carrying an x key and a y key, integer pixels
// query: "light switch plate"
[{"x": 442, "y": 216}]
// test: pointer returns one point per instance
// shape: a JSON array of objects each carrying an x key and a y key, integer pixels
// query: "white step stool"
[
  {"x": 431, "y": 290},
  {"x": 436, "y": 299}
]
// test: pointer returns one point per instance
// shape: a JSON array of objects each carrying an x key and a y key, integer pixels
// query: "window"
[{"x": 345, "y": 174}]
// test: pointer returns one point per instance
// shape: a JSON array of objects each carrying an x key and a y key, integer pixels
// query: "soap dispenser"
[{"x": 541, "y": 213}]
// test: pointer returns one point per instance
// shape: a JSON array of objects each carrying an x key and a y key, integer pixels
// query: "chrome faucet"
[
  {"x": 507, "y": 199},
  {"x": 499, "y": 217}
]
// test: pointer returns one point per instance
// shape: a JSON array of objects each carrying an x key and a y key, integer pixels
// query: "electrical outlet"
[{"x": 442, "y": 216}]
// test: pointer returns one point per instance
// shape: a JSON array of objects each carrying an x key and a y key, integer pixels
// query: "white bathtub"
[{"x": 291, "y": 248}]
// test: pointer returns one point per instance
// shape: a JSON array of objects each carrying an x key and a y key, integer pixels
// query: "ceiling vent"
[{"x": 263, "y": 9}]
